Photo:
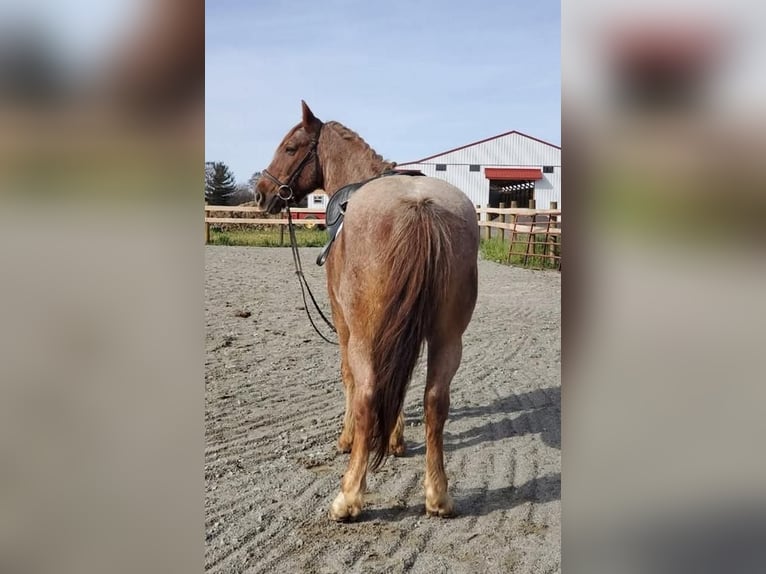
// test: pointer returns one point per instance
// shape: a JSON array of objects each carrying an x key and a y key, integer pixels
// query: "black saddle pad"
[{"x": 336, "y": 207}]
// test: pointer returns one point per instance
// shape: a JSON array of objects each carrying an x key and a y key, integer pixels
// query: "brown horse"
[{"x": 402, "y": 271}]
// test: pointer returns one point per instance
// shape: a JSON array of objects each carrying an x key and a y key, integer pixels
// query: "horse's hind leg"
[
  {"x": 348, "y": 503},
  {"x": 396, "y": 440},
  {"x": 443, "y": 361},
  {"x": 346, "y": 438}
]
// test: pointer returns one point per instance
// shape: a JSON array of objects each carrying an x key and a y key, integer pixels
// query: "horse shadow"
[
  {"x": 479, "y": 501},
  {"x": 538, "y": 490},
  {"x": 537, "y": 411},
  {"x": 540, "y": 413}
]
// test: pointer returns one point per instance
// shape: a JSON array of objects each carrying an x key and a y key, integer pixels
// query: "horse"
[{"x": 402, "y": 272}]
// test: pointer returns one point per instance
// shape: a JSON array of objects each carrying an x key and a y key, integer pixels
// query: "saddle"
[{"x": 336, "y": 208}]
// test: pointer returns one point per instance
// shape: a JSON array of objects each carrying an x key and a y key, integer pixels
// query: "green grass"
[
  {"x": 267, "y": 237},
  {"x": 496, "y": 250},
  {"x": 491, "y": 249}
]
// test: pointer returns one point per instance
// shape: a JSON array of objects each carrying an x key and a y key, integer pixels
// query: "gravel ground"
[{"x": 274, "y": 404}]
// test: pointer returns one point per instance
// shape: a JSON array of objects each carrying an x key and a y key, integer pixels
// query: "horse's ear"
[{"x": 310, "y": 122}]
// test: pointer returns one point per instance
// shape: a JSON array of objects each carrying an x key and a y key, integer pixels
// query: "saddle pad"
[{"x": 336, "y": 208}]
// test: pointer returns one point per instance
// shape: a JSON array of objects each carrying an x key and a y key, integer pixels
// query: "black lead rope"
[{"x": 303, "y": 283}]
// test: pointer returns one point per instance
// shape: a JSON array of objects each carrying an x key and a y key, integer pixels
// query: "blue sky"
[{"x": 413, "y": 78}]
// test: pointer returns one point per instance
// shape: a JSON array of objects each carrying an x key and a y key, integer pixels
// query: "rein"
[
  {"x": 304, "y": 284},
  {"x": 285, "y": 193}
]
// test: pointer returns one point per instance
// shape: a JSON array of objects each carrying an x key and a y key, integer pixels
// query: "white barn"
[
  {"x": 317, "y": 200},
  {"x": 508, "y": 167}
]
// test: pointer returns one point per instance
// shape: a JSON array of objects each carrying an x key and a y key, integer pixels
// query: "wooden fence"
[
  {"x": 279, "y": 219},
  {"x": 532, "y": 234}
]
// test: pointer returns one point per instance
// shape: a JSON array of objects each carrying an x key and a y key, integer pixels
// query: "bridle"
[
  {"x": 288, "y": 194},
  {"x": 285, "y": 190}
]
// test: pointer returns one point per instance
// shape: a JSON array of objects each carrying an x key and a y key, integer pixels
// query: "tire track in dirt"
[{"x": 274, "y": 404}]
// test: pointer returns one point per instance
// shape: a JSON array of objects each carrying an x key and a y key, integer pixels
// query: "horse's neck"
[
  {"x": 350, "y": 164},
  {"x": 342, "y": 173}
]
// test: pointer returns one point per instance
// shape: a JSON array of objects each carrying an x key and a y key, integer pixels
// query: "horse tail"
[{"x": 419, "y": 266}]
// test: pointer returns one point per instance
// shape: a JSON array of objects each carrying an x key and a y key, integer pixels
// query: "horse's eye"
[{"x": 290, "y": 150}]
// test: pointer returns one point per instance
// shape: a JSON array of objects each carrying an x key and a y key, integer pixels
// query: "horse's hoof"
[
  {"x": 397, "y": 449},
  {"x": 443, "y": 508},
  {"x": 342, "y": 509}
]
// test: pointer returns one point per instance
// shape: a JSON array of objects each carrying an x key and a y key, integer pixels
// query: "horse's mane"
[{"x": 351, "y": 135}]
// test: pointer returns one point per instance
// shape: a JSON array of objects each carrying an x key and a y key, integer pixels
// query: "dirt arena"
[{"x": 274, "y": 403}]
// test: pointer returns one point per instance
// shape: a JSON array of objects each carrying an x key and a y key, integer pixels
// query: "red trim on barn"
[{"x": 513, "y": 173}]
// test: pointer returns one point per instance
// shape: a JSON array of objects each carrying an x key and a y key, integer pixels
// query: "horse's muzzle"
[{"x": 274, "y": 205}]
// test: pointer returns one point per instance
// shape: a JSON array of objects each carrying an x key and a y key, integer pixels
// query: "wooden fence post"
[
  {"x": 514, "y": 205},
  {"x": 487, "y": 228},
  {"x": 530, "y": 240},
  {"x": 552, "y": 223},
  {"x": 207, "y": 232},
  {"x": 502, "y": 220},
  {"x": 281, "y": 230},
  {"x": 479, "y": 215}
]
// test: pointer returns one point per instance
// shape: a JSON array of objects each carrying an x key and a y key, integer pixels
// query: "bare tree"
[
  {"x": 253, "y": 181},
  {"x": 242, "y": 194}
]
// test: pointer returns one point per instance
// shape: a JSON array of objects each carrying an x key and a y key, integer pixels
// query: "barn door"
[{"x": 505, "y": 191}]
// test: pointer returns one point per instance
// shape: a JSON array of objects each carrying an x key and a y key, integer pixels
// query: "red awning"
[{"x": 513, "y": 173}]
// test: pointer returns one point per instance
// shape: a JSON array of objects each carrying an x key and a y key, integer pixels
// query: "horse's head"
[{"x": 294, "y": 172}]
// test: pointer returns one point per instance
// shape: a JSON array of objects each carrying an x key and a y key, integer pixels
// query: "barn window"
[
  {"x": 474, "y": 167},
  {"x": 318, "y": 200},
  {"x": 547, "y": 169},
  {"x": 441, "y": 167}
]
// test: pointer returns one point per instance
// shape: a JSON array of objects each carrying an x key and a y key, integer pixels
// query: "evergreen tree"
[{"x": 219, "y": 183}]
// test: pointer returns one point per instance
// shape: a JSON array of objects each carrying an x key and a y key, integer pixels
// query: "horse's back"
[
  {"x": 378, "y": 203},
  {"x": 385, "y": 193}
]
